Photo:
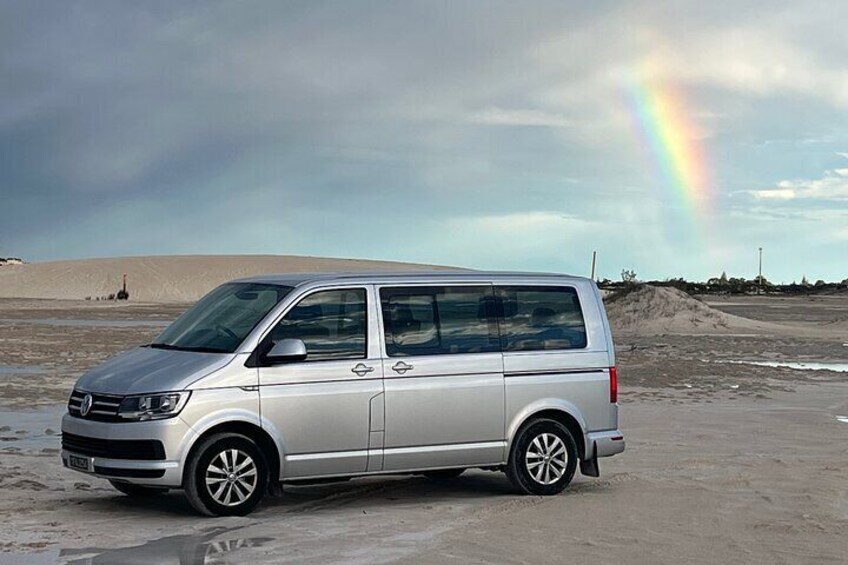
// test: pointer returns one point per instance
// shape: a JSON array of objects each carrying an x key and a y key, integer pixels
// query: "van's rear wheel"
[
  {"x": 139, "y": 491},
  {"x": 543, "y": 458},
  {"x": 226, "y": 476}
]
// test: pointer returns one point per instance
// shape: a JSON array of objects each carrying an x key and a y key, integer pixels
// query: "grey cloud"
[{"x": 134, "y": 127}]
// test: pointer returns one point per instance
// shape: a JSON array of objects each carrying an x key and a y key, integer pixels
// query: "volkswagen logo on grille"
[{"x": 85, "y": 407}]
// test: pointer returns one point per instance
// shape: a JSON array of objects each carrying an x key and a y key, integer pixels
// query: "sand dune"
[
  {"x": 653, "y": 310},
  {"x": 165, "y": 278}
]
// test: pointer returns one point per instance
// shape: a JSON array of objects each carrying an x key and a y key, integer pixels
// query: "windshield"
[{"x": 220, "y": 321}]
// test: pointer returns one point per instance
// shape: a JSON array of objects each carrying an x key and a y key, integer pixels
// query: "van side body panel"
[{"x": 445, "y": 412}]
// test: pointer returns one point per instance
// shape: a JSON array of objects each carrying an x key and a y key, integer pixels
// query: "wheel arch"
[
  {"x": 558, "y": 410},
  {"x": 248, "y": 429}
]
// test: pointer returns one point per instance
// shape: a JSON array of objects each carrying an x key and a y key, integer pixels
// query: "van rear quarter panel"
[
  {"x": 528, "y": 383},
  {"x": 575, "y": 380}
]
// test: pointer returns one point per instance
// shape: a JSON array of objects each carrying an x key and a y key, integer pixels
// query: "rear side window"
[
  {"x": 541, "y": 318},
  {"x": 439, "y": 320},
  {"x": 331, "y": 323}
]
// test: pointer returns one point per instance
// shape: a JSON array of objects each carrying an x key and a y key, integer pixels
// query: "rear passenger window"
[
  {"x": 439, "y": 320},
  {"x": 331, "y": 323},
  {"x": 541, "y": 318}
]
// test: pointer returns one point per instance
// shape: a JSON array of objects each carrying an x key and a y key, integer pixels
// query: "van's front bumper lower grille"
[
  {"x": 135, "y": 449},
  {"x": 129, "y": 473},
  {"x": 104, "y": 408}
]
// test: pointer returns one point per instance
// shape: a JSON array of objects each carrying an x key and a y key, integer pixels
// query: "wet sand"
[{"x": 727, "y": 462}]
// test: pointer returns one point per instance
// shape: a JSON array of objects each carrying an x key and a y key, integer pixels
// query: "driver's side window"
[{"x": 332, "y": 323}]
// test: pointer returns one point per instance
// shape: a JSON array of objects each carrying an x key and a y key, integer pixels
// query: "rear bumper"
[{"x": 604, "y": 444}]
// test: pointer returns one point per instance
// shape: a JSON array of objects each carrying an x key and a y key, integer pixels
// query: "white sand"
[
  {"x": 745, "y": 467},
  {"x": 166, "y": 278}
]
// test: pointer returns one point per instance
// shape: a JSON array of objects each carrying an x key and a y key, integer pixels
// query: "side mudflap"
[
  {"x": 275, "y": 488},
  {"x": 589, "y": 466}
]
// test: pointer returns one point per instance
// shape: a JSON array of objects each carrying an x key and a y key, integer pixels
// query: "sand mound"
[
  {"x": 652, "y": 310},
  {"x": 164, "y": 279}
]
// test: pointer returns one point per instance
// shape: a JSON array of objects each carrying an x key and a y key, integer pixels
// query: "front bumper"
[{"x": 174, "y": 433}]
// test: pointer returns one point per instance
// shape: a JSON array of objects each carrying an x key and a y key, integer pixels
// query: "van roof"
[{"x": 382, "y": 277}]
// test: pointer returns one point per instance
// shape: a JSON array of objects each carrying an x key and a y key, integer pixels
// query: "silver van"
[{"x": 292, "y": 378}]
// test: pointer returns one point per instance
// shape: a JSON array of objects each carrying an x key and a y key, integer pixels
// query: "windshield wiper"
[
  {"x": 162, "y": 346},
  {"x": 170, "y": 347}
]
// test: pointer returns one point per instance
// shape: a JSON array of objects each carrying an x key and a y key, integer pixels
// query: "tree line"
[{"x": 727, "y": 285}]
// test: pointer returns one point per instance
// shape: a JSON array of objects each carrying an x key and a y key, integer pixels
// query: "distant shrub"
[{"x": 628, "y": 277}]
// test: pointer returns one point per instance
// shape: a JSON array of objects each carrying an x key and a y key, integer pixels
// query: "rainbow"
[{"x": 665, "y": 125}]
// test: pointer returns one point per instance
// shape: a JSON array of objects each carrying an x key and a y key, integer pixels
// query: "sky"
[{"x": 674, "y": 138}]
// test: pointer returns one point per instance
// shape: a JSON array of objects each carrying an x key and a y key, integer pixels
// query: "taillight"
[{"x": 613, "y": 385}]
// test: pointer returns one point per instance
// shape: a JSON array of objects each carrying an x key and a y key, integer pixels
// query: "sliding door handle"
[
  {"x": 400, "y": 367},
  {"x": 362, "y": 369}
]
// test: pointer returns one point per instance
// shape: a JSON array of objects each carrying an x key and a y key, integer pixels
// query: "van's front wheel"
[
  {"x": 226, "y": 476},
  {"x": 543, "y": 458}
]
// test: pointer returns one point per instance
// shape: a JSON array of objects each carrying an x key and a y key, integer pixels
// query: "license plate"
[{"x": 80, "y": 463}]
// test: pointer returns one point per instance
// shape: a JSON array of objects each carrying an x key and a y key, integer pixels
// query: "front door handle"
[
  {"x": 362, "y": 369},
  {"x": 400, "y": 367}
]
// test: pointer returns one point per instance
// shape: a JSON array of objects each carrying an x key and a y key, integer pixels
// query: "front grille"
[
  {"x": 138, "y": 449},
  {"x": 104, "y": 408}
]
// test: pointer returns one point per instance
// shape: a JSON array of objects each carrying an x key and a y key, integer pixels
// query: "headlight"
[{"x": 153, "y": 406}]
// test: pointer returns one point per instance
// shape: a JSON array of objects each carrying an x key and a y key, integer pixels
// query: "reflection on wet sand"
[
  {"x": 18, "y": 370},
  {"x": 199, "y": 549}
]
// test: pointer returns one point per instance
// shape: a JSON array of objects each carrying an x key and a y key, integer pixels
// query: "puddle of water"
[
  {"x": 720, "y": 335},
  {"x": 35, "y": 558},
  {"x": 843, "y": 419},
  {"x": 26, "y": 430},
  {"x": 63, "y": 322},
  {"x": 189, "y": 549},
  {"x": 799, "y": 365},
  {"x": 183, "y": 550},
  {"x": 13, "y": 370}
]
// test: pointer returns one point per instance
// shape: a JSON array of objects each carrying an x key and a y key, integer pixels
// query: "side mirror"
[{"x": 286, "y": 351}]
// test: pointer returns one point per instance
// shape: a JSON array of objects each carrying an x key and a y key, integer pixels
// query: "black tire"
[
  {"x": 443, "y": 474},
  {"x": 209, "y": 452},
  {"x": 138, "y": 491},
  {"x": 534, "y": 474}
]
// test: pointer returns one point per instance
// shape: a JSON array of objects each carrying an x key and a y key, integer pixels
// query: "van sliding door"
[{"x": 443, "y": 377}]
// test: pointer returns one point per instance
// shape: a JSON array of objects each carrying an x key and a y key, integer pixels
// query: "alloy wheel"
[
  {"x": 546, "y": 458},
  {"x": 231, "y": 477}
]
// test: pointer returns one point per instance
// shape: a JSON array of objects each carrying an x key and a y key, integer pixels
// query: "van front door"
[
  {"x": 326, "y": 407},
  {"x": 444, "y": 384}
]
